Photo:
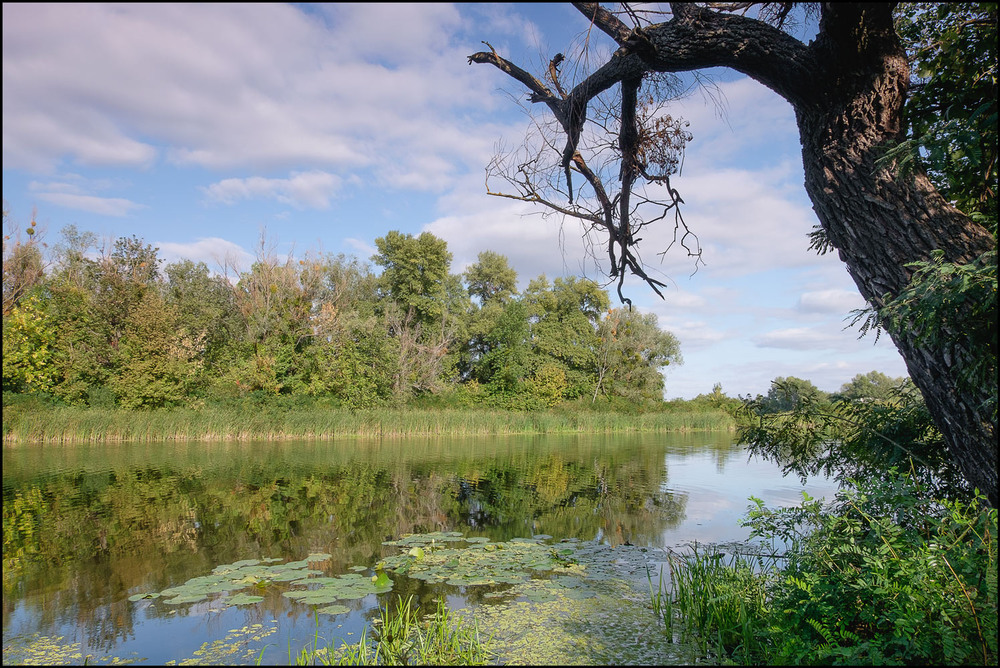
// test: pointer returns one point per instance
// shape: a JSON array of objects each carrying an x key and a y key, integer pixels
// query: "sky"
[{"x": 200, "y": 128}]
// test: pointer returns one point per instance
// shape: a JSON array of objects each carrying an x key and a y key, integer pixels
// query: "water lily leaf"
[
  {"x": 381, "y": 580},
  {"x": 334, "y": 610},
  {"x": 296, "y": 593},
  {"x": 294, "y": 575},
  {"x": 186, "y": 598},
  {"x": 417, "y": 552},
  {"x": 319, "y": 556},
  {"x": 139, "y": 597},
  {"x": 244, "y": 599}
]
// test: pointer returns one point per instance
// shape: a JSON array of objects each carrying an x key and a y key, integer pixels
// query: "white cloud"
[
  {"x": 800, "y": 338},
  {"x": 106, "y": 206},
  {"x": 301, "y": 189},
  {"x": 384, "y": 87},
  {"x": 213, "y": 251},
  {"x": 364, "y": 249},
  {"x": 830, "y": 301}
]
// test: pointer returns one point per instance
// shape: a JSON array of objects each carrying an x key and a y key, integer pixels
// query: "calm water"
[{"x": 86, "y": 527}]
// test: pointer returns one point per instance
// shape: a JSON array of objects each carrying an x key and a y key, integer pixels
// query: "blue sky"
[{"x": 197, "y": 127}]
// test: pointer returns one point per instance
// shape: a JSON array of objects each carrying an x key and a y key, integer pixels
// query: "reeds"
[
  {"x": 714, "y": 599},
  {"x": 402, "y": 637},
  {"x": 66, "y": 424}
]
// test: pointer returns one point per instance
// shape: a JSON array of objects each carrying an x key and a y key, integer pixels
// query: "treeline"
[{"x": 116, "y": 326}]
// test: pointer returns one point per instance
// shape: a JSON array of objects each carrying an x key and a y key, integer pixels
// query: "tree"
[
  {"x": 870, "y": 386},
  {"x": 28, "y": 348},
  {"x": 564, "y": 317},
  {"x": 848, "y": 88},
  {"x": 631, "y": 352},
  {"x": 789, "y": 394},
  {"x": 491, "y": 278},
  {"x": 952, "y": 110},
  {"x": 23, "y": 267},
  {"x": 414, "y": 273},
  {"x": 205, "y": 307},
  {"x": 156, "y": 361}
]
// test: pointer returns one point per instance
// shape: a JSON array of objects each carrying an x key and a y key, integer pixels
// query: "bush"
[{"x": 885, "y": 575}]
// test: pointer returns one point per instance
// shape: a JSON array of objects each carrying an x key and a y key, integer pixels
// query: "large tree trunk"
[{"x": 880, "y": 222}]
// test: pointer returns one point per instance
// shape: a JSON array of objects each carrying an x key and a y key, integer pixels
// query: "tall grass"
[
  {"x": 40, "y": 423},
  {"x": 403, "y": 637},
  {"x": 715, "y": 600}
]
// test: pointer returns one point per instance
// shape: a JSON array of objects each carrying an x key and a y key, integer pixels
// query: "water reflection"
[{"x": 87, "y": 526}]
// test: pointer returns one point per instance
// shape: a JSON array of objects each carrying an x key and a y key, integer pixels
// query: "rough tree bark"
[{"x": 847, "y": 88}]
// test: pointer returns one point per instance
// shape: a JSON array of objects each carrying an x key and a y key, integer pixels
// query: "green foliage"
[
  {"x": 504, "y": 353},
  {"x": 886, "y": 575},
  {"x": 850, "y": 439},
  {"x": 28, "y": 348},
  {"x": 631, "y": 350},
  {"x": 205, "y": 307},
  {"x": 902, "y": 568},
  {"x": 156, "y": 362},
  {"x": 401, "y": 637},
  {"x": 491, "y": 278},
  {"x": 414, "y": 273},
  {"x": 324, "y": 327},
  {"x": 789, "y": 394},
  {"x": 952, "y": 109},
  {"x": 354, "y": 359},
  {"x": 718, "y": 400},
  {"x": 22, "y": 267},
  {"x": 949, "y": 304},
  {"x": 871, "y": 386},
  {"x": 564, "y": 317}
]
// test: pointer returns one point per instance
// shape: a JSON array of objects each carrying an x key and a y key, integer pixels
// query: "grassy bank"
[{"x": 44, "y": 423}]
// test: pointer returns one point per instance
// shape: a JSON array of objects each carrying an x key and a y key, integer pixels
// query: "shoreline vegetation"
[{"x": 36, "y": 422}]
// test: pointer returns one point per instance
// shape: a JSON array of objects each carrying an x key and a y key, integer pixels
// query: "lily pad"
[
  {"x": 244, "y": 599},
  {"x": 333, "y": 610},
  {"x": 318, "y": 556},
  {"x": 139, "y": 597}
]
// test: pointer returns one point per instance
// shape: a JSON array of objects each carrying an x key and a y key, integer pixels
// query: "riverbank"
[{"x": 42, "y": 423}]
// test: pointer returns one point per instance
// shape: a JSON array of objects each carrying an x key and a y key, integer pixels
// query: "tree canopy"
[{"x": 114, "y": 327}]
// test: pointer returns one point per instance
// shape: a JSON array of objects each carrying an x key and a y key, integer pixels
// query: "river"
[{"x": 89, "y": 530}]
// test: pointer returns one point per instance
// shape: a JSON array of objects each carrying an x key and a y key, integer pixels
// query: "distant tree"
[
  {"x": 120, "y": 279},
  {"x": 717, "y": 399},
  {"x": 23, "y": 264},
  {"x": 493, "y": 283},
  {"x": 563, "y": 320},
  {"x": 29, "y": 338},
  {"x": 157, "y": 361},
  {"x": 206, "y": 310},
  {"x": 791, "y": 393},
  {"x": 631, "y": 351},
  {"x": 873, "y": 385},
  {"x": 505, "y": 354},
  {"x": 414, "y": 273},
  {"x": 354, "y": 358},
  {"x": 275, "y": 298},
  {"x": 491, "y": 278}
]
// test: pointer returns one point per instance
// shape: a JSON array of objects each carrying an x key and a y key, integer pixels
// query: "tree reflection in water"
[{"x": 87, "y": 526}]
